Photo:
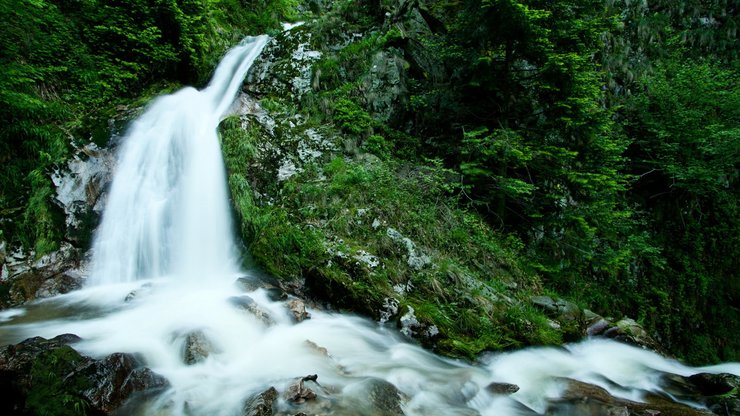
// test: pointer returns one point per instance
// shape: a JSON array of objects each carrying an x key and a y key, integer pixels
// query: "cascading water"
[
  {"x": 166, "y": 240},
  {"x": 168, "y": 212}
]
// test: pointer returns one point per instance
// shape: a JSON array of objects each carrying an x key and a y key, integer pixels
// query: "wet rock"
[
  {"x": 583, "y": 399},
  {"x": 375, "y": 397},
  {"x": 714, "y": 384},
  {"x": 49, "y": 370},
  {"x": 297, "y": 392},
  {"x": 261, "y": 404},
  {"x": 115, "y": 378},
  {"x": 250, "y": 284},
  {"x": 719, "y": 392},
  {"x": 197, "y": 347},
  {"x": 502, "y": 388},
  {"x": 298, "y": 310},
  {"x": 248, "y": 304}
]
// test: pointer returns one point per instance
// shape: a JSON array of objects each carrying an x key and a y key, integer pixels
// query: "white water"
[{"x": 167, "y": 225}]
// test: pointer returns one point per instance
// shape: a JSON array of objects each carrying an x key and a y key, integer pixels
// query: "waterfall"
[{"x": 167, "y": 212}]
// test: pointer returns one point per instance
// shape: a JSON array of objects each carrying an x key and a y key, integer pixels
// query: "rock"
[
  {"x": 115, "y": 378},
  {"x": 46, "y": 371},
  {"x": 298, "y": 310},
  {"x": 316, "y": 348},
  {"x": 80, "y": 187},
  {"x": 261, "y": 404},
  {"x": 374, "y": 397},
  {"x": 502, "y": 388},
  {"x": 598, "y": 327},
  {"x": 248, "y": 304},
  {"x": 385, "y": 84},
  {"x": 197, "y": 347},
  {"x": 630, "y": 332},
  {"x": 52, "y": 274},
  {"x": 719, "y": 392},
  {"x": 583, "y": 399},
  {"x": 416, "y": 259},
  {"x": 714, "y": 384},
  {"x": 297, "y": 392},
  {"x": 144, "y": 289},
  {"x": 250, "y": 284}
]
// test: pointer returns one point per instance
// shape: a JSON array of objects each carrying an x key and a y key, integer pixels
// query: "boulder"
[
  {"x": 116, "y": 378},
  {"x": 49, "y": 375},
  {"x": 298, "y": 310}
]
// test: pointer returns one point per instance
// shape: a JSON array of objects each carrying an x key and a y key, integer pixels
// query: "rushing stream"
[{"x": 164, "y": 265}]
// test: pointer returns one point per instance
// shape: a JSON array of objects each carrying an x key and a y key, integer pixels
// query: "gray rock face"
[
  {"x": 385, "y": 84},
  {"x": 29, "y": 278},
  {"x": 285, "y": 73},
  {"x": 79, "y": 189}
]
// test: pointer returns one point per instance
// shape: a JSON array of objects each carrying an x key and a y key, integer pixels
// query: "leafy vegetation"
[{"x": 598, "y": 134}]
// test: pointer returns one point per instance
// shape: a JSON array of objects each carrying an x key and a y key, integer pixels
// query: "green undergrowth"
[{"x": 339, "y": 226}]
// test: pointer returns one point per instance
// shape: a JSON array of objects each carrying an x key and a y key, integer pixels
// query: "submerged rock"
[
  {"x": 197, "y": 347},
  {"x": 248, "y": 304},
  {"x": 375, "y": 397}
]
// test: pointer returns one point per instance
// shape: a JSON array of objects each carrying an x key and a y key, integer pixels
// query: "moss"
[{"x": 54, "y": 389}]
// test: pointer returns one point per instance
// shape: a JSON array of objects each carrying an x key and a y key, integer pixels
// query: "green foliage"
[{"x": 685, "y": 154}]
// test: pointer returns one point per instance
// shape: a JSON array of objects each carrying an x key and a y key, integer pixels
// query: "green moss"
[{"x": 54, "y": 388}]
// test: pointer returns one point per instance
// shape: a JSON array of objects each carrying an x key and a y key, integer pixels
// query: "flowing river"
[{"x": 164, "y": 265}]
